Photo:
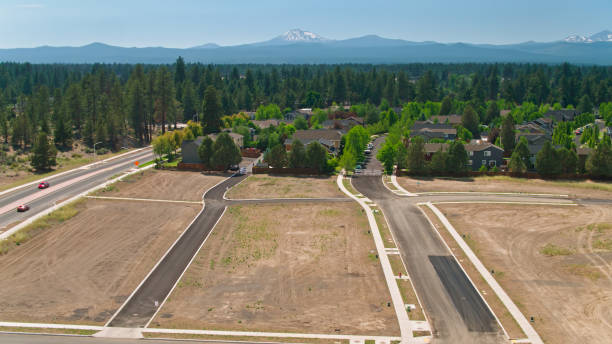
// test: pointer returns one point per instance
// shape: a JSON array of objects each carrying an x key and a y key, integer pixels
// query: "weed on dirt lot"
[
  {"x": 301, "y": 268},
  {"x": 264, "y": 186}
]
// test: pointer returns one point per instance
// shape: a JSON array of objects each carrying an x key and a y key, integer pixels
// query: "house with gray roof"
[{"x": 329, "y": 138}]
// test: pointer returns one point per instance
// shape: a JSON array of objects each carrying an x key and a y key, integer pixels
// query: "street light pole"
[{"x": 95, "y": 150}]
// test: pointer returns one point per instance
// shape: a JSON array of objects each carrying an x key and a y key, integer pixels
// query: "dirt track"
[
  {"x": 264, "y": 186},
  {"x": 169, "y": 185},
  {"x": 578, "y": 189},
  {"x": 312, "y": 270},
  {"x": 569, "y": 292}
]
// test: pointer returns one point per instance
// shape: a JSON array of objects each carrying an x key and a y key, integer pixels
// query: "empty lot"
[
  {"x": 168, "y": 185},
  {"x": 311, "y": 270},
  {"x": 81, "y": 271},
  {"x": 264, "y": 186},
  {"x": 555, "y": 262},
  {"x": 579, "y": 189}
]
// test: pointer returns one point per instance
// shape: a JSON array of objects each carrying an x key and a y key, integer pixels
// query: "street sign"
[{"x": 136, "y": 163}]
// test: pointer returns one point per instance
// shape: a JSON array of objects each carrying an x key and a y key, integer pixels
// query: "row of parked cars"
[
  {"x": 24, "y": 207},
  {"x": 361, "y": 164}
]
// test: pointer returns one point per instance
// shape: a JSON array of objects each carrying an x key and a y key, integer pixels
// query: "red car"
[
  {"x": 22, "y": 208},
  {"x": 43, "y": 185}
]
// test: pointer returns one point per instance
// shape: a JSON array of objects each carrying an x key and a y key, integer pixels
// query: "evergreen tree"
[
  {"x": 297, "y": 159},
  {"x": 446, "y": 107},
  {"x": 277, "y": 156},
  {"x": 416, "y": 155},
  {"x": 164, "y": 97},
  {"x": 62, "y": 135},
  {"x": 457, "y": 160},
  {"x": 211, "y": 111},
  {"x": 599, "y": 163},
  {"x": 517, "y": 164},
  {"x": 438, "y": 162},
  {"x": 205, "y": 151},
  {"x": 317, "y": 156},
  {"x": 547, "y": 162},
  {"x": 43, "y": 153},
  {"x": 508, "y": 138},
  {"x": 226, "y": 153},
  {"x": 469, "y": 120}
]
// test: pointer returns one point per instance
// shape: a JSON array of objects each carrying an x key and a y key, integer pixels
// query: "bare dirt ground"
[
  {"x": 577, "y": 189},
  {"x": 81, "y": 271},
  {"x": 554, "y": 262},
  {"x": 311, "y": 270},
  {"x": 264, "y": 186},
  {"x": 168, "y": 185}
]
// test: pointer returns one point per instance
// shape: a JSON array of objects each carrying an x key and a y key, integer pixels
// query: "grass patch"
[
  {"x": 421, "y": 333},
  {"x": 370, "y": 341},
  {"x": 348, "y": 186},
  {"x": 552, "y": 250},
  {"x": 589, "y": 185},
  {"x": 243, "y": 338},
  {"x": 48, "y": 330},
  {"x": 25, "y": 234},
  {"x": 396, "y": 264},
  {"x": 146, "y": 164},
  {"x": 409, "y": 297},
  {"x": 384, "y": 230},
  {"x": 585, "y": 271},
  {"x": 470, "y": 241},
  {"x": 605, "y": 244}
]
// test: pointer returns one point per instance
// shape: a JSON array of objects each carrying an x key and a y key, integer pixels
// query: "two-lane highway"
[{"x": 64, "y": 186}]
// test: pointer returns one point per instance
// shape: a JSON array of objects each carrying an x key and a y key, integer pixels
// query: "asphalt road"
[
  {"x": 141, "y": 307},
  {"x": 456, "y": 312},
  {"x": 51, "y": 339},
  {"x": 86, "y": 179}
]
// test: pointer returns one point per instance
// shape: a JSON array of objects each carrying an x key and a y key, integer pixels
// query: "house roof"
[
  {"x": 214, "y": 136},
  {"x": 561, "y": 115},
  {"x": 452, "y": 119},
  {"x": 418, "y": 125},
  {"x": 471, "y": 147},
  {"x": 263, "y": 124},
  {"x": 434, "y": 147},
  {"x": 316, "y": 134}
]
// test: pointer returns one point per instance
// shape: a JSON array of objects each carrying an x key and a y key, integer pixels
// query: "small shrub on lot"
[
  {"x": 553, "y": 250},
  {"x": 605, "y": 244}
]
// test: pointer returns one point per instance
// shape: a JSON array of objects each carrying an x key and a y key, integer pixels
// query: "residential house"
[
  {"x": 342, "y": 124},
  {"x": 535, "y": 142},
  {"x": 263, "y": 124},
  {"x": 484, "y": 154},
  {"x": 293, "y": 115},
  {"x": 430, "y": 130},
  {"x": 478, "y": 154},
  {"x": 329, "y": 138},
  {"x": 563, "y": 115}
]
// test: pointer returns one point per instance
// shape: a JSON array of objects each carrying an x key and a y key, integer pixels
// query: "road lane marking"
[{"x": 142, "y": 199}]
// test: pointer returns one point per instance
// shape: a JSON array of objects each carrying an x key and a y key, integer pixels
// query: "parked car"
[
  {"x": 242, "y": 171},
  {"x": 22, "y": 208},
  {"x": 43, "y": 185},
  {"x": 367, "y": 151},
  {"x": 234, "y": 168}
]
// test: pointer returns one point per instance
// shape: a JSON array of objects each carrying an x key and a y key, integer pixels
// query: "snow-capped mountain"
[
  {"x": 603, "y": 36},
  {"x": 300, "y": 36}
]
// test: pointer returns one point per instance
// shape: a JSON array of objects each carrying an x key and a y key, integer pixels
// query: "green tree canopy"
[
  {"x": 211, "y": 111},
  {"x": 317, "y": 156},
  {"x": 205, "y": 151},
  {"x": 277, "y": 156},
  {"x": 226, "y": 152},
  {"x": 547, "y": 163},
  {"x": 43, "y": 154},
  {"x": 508, "y": 139},
  {"x": 416, "y": 155},
  {"x": 469, "y": 120},
  {"x": 298, "y": 159}
]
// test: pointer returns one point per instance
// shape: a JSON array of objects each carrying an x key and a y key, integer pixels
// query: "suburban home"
[
  {"x": 293, "y": 115},
  {"x": 263, "y": 124},
  {"x": 450, "y": 119},
  {"x": 484, "y": 154},
  {"x": 342, "y": 124},
  {"x": 535, "y": 142},
  {"x": 478, "y": 154},
  {"x": 189, "y": 148},
  {"x": 563, "y": 115},
  {"x": 430, "y": 130},
  {"x": 329, "y": 138}
]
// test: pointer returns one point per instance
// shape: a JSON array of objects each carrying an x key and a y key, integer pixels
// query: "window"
[
  {"x": 487, "y": 153},
  {"x": 470, "y": 162},
  {"x": 471, "y": 153},
  {"x": 492, "y": 163},
  {"x": 484, "y": 162}
]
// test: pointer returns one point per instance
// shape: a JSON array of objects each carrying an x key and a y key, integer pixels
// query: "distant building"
[
  {"x": 450, "y": 119},
  {"x": 342, "y": 124},
  {"x": 478, "y": 154},
  {"x": 329, "y": 138},
  {"x": 263, "y": 124},
  {"x": 430, "y": 130},
  {"x": 563, "y": 115}
]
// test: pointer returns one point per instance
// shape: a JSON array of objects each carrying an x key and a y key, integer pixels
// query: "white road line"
[
  {"x": 433, "y": 193},
  {"x": 502, "y": 202},
  {"x": 531, "y": 333},
  {"x": 142, "y": 199},
  {"x": 43, "y": 325},
  {"x": 187, "y": 267},
  {"x": 406, "y": 326}
]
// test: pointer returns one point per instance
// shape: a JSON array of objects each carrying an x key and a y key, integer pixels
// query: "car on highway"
[
  {"x": 22, "y": 208},
  {"x": 43, "y": 185}
]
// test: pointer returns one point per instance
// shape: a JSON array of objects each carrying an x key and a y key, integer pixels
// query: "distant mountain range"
[{"x": 304, "y": 47}]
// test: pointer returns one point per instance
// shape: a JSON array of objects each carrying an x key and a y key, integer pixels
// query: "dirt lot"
[
  {"x": 578, "y": 189},
  {"x": 82, "y": 270},
  {"x": 554, "y": 262},
  {"x": 313, "y": 270},
  {"x": 169, "y": 185},
  {"x": 264, "y": 186}
]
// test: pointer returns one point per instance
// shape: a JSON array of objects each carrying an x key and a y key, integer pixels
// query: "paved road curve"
[
  {"x": 85, "y": 178},
  {"x": 141, "y": 307}
]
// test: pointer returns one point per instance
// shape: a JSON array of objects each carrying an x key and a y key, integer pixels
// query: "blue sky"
[{"x": 185, "y": 23}]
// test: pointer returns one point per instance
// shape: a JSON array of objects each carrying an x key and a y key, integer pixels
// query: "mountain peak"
[
  {"x": 299, "y": 35},
  {"x": 603, "y": 36}
]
